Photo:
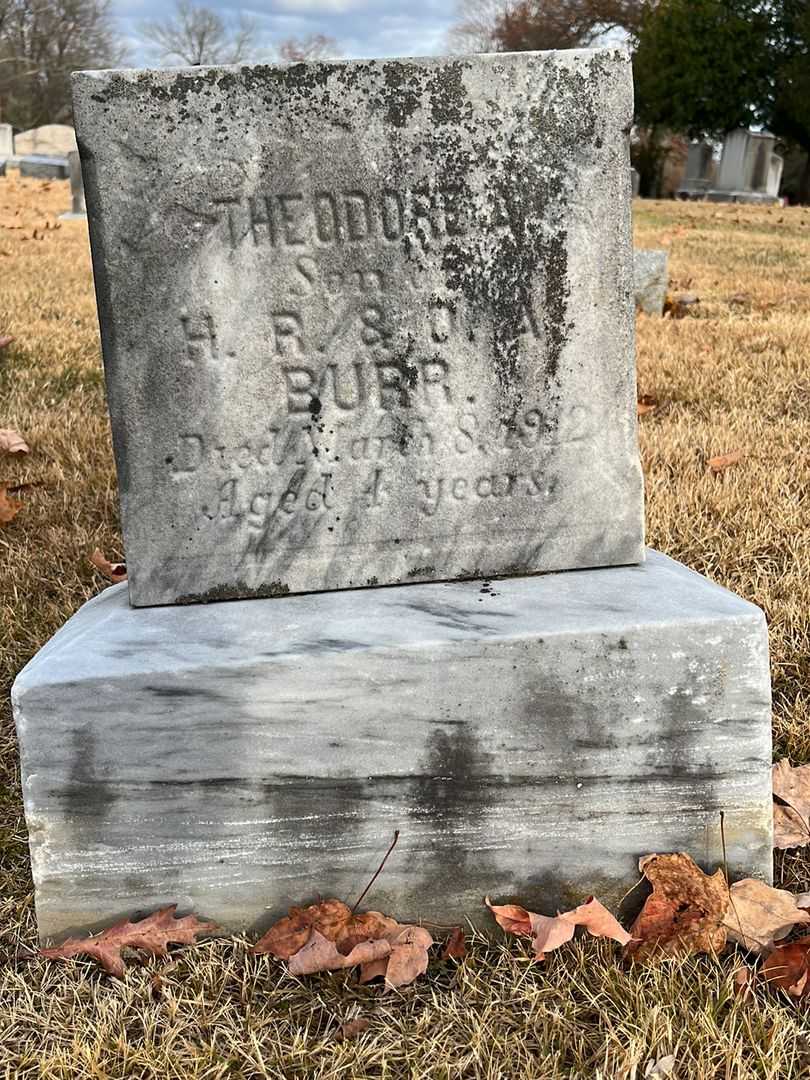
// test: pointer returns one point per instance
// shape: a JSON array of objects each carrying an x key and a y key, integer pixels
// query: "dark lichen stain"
[
  {"x": 87, "y": 792},
  {"x": 238, "y": 590}
]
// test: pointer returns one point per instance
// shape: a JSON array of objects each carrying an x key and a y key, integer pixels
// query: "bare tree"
[
  {"x": 517, "y": 25},
  {"x": 41, "y": 42},
  {"x": 312, "y": 47},
  {"x": 195, "y": 35}
]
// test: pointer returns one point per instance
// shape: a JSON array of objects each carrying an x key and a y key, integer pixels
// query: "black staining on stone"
[
  {"x": 450, "y": 795},
  {"x": 455, "y": 618},
  {"x": 421, "y": 572},
  {"x": 238, "y": 590},
  {"x": 401, "y": 95},
  {"x": 87, "y": 794},
  {"x": 315, "y": 408}
]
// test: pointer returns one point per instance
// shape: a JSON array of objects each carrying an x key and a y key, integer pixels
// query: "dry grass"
[{"x": 732, "y": 374}]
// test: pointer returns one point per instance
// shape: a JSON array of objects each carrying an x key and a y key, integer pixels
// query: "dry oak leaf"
[
  {"x": 352, "y": 1028},
  {"x": 455, "y": 947},
  {"x": 685, "y": 911},
  {"x": 12, "y": 442},
  {"x": 549, "y": 932},
  {"x": 328, "y": 936},
  {"x": 759, "y": 915},
  {"x": 788, "y": 969},
  {"x": 5, "y": 340},
  {"x": 9, "y": 507},
  {"x": 115, "y": 572},
  {"x": 646, "y": 404},
  {"x": 791, "y": 810},
  {"x": 722, "y": 462},
  {"x": 152, "y": 935},
  {"x": 332, "y": 919}
]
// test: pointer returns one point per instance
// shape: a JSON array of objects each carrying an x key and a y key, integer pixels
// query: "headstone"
[
  {"x": 651, "y": 280},
  {"x": 635, "y": 181},
  {"x": 700, "y": 171},
  {"x": 78, "y": 209},
  {"x": 531, "y": 740},
  {"x": 749, "y": 170},
  {"x": 44, "y": 168},
  {"x": 6, "y": 141},
  {"x": 50, "y": 140},
  {"x": 530, "y": 736},
  {"x": 393, "y": 310}
]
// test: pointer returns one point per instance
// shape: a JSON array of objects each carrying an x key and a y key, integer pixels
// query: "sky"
[{"x": 362, "y": 28}]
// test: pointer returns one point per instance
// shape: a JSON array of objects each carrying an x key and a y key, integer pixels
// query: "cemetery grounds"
[{"x": 731, "y": 374}]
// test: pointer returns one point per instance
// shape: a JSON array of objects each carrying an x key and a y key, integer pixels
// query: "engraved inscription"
[{"x": 294, "y": 219}]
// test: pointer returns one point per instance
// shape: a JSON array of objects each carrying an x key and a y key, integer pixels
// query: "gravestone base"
[
  {"x": 761, "y": 198},
  {"x": 529, "y": 737}
]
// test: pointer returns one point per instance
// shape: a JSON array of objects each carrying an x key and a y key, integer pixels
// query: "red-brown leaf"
[
  {"x": 724, "y": 461},
  {"x": 152, "y": 935},
  {"x": 788, "y": 969},
  {"x": 685, "y": 911},
  {"x": 114, "y": 572},
  {"x": 511, "y": 917},
  {"x": 9, "y": 506},
  {"x": 455, "y": 947}
]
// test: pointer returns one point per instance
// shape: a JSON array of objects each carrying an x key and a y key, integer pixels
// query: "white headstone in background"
[
  {"x": 50, "y": 140},
  {"x": 6, "y": 141}
]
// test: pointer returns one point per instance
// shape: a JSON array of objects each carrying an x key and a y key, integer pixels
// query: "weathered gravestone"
[
  {"x": 530, "y": 736},
  {"x": 78, "y": 210},
  {"x": 41, "y": 167},
  {"x": 651, "y": 279},
  {"x": 6, "y": 141},
  {"x": 371, "y": 334}
]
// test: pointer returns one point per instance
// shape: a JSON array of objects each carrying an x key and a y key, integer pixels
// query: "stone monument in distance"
[{"x": 368, "y": 339}]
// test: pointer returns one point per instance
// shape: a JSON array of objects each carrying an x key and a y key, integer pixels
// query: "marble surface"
[
  {"x": 530, "y": 737},
  {"x": 366, "y": 322}
]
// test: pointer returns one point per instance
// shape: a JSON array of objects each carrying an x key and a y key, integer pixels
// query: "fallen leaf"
[
  {"x": 331, "y": 918},
  {"x": 740, "y": 298},
  {"x": 114, "y": 571},
  {"x": 759, "y": 915},
  {"x": 744, "y": 979},
  {"x": 787, "y": 967},
  {"x": 685, "y": 911},
  {"x": 724, "y": 461},
  {"x": 455, "y": 947},
  {"x": 12, "y": 442},
  {"x": 152, "y": 935},
  {"x": 548, "y": 932},
  {"x": 328, "y": 936},
  {"x": 646, "y": 404},
  {"x": 511, "y": 917},
  {"x": 352, "y": 1028},
  {"x": 409, "y": 957},
  {"x": 9, "y": 507},
  {"x": 5, "y": 340},
  {"x": 664, "y": 1066},
  {"x": 321, "y": 954},
  {"x": 791, "y": 813}
]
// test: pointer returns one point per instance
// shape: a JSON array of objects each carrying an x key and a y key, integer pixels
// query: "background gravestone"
[{"x": 371, "y": 333}]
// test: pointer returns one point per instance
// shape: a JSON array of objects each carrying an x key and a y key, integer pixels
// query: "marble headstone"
[
  {"x": 363, "y": 322},
  {"x": 530, "y": 739},
  {"x": 651, "y": 279},
  {"x": 6, "y": 141}
]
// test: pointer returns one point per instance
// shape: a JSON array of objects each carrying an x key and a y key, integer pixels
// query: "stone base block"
[{"x": 529, "y": 737}]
